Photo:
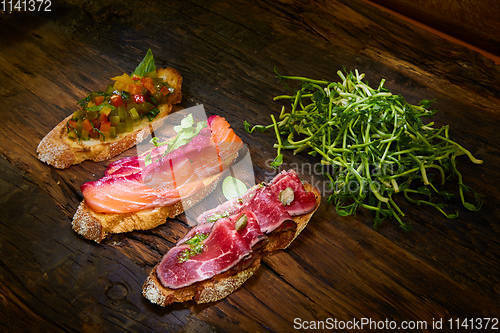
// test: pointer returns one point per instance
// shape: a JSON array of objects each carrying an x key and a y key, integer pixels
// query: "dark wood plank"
[
  {"x": 473, "y": 21},
  {"x": 338, "y": 267}
]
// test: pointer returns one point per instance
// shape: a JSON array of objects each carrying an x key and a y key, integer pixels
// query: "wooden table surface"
[{"x": 339, "y": 267}]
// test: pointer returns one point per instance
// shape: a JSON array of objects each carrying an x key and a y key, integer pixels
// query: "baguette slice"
[
  {"x": 96, "y": 226},
  {"x": 227, "y": 282},
  {"x": 57, "y": 150}
]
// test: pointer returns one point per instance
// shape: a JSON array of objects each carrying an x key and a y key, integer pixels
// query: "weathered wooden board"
[
  {"x": 339, "y": 267},
  {"x": 475, "y": 22}
]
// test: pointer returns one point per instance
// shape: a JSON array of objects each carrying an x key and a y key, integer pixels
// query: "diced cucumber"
[
  {"x": 84, "y": 134},
  {"x": 109, "y": 89},
  {"x": 91, "y": 115},
  {"x": 115, "y": 120},
  {"x": 144, "y": 107},
  {"x": 112, "y": 132},
  {"x": 129, "y": 125},
  {"x": 78, "y": 114},
  {"x": 121, "y": 127},
  {"x": 122, "y": 113},
  {"x": 133, "y": 114}
]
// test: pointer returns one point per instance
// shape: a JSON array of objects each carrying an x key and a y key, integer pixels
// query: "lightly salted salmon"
[{"x": 130, "y": 184}]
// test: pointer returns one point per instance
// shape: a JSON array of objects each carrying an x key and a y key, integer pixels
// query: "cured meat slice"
[
  {"x": 266, "y": 210},
  {"x": 303, "y": 201},
  {"x": 221, "y": 250},
  {"x": 269, "y": 211},
  {"x": 227, "y": 208},
  {"x": 265, "y": 202},
  {"x": 133, "y": 192},
  {"x": 130, "y": 185}
]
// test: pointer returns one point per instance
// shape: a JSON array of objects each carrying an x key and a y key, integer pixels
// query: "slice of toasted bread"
[
  {"x": 58, "y": 150},
  {"x": 227, "y": 282},
  {"x": 95, "y": 226}
]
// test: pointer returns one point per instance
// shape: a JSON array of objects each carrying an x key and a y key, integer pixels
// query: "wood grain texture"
[
  {"x": 338, "y": 267},
  {"x": 475, "y": 22}
]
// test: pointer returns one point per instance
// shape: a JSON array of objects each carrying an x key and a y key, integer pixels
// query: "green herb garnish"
[
  {"x": 216, "y": 217},
  {"x": 195, "y": 247},
  {"x": 374, "y": 143},
  {"x": 99, "y": 107},
  {"x": 186, "y": 131},
  {"x": 152, "y": 113},
  {"x": 84, "y": 101}
]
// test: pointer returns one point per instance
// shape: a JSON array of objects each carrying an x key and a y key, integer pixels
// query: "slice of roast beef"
[
  {"x": 265, "y": 202},
  {"x": 303, "y": 202},
  {"x": 223, "y": 249},
  {"x": 227, "y": 208},
  {"x": 267, "y": 209}
]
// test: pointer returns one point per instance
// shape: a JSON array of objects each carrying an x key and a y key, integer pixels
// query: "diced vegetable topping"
[{"x": 125, "y": 103}]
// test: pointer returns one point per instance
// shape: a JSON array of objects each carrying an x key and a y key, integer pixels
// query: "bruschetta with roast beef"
[{"x": 225, "y": 249}]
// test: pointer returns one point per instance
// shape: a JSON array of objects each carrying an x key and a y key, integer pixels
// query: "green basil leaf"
[{"x": 146, "y": 66}]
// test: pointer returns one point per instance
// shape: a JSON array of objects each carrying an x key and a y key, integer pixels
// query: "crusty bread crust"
[
  {"x": 96, "y": 226},
  {"x": 58, "y": 150},
  {"x": 207, "y": 291},
  {"x": 227, "y": 282}
]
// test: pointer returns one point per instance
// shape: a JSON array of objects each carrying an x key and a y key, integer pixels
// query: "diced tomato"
[
  {"x": 87, "y": 125},
  {"x": 135, "y": 89},
  {"x": 96, "y": 123},
  {"x": 98, "y": 100},
  {"x": 164, "y": 91},
  {"x": 116, "y": 100},
  {"x": 105, "y": 126},
  {"x": 136, "y": 78},
  {"x": 103, "y": 117},
  {"x": 147, "y": 82},
  {"x": 139, "y": 99},
  {"x": 93, "y": 133},
  {"x": 73, "y": 124}
]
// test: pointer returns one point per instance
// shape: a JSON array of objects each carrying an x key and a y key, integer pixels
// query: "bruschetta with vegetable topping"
[{"x": 111, "y": 121}]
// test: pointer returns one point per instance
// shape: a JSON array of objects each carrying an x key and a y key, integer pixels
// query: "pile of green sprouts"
[{"x": 379, "y": 146}]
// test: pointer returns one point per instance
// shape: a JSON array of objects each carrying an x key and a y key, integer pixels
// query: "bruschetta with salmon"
[{"x": 140, "y": 192}]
